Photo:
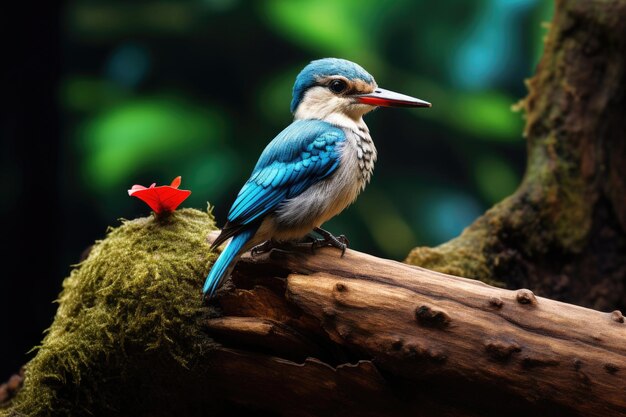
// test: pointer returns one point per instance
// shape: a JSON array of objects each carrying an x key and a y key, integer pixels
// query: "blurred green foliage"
[
  {"x": 141, "y": 134},
  {"x": 156, "y": 89}
]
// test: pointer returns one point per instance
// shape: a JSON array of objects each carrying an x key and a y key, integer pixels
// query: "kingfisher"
[{"x": 312, "y": 170}]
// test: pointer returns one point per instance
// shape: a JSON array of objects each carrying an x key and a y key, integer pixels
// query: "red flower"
[{"x": 164, "y": 198}]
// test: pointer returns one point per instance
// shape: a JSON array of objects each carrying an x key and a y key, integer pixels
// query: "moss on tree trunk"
[{"x": 562, "y": 233}]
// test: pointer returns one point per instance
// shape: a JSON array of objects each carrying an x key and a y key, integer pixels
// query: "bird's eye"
[{"x": 338, "y": 86}]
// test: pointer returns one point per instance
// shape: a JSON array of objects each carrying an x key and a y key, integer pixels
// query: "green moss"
[
  {"x": 463, "y": 256},
  {"x": 555, "y": 185},
  {"x": 135, "y": 299}
]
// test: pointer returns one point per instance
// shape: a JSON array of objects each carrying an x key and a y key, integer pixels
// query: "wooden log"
[
  {"x": 408, "y": 340},
  {"x": 301, "y": 334}
]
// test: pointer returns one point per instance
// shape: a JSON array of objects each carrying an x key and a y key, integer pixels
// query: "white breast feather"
[{"x": 329, "y": 197}]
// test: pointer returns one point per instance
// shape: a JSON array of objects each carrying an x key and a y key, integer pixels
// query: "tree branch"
[{"x": 424, "y": 331}]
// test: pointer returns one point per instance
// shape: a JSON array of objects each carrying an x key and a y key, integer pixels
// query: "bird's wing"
[{"x": 304, "y": 153}]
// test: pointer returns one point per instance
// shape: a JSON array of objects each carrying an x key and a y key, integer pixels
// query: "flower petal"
[
  {"x": 176, "y": 182},
  {"x": 135, "y": 188},
  {"x": 161, "y": 199}
]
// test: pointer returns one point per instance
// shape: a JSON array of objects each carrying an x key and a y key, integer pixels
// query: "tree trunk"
[{"x": 562, "y": 233}]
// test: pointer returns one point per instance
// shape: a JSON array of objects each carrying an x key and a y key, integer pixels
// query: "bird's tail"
[{"x": 220, "y": 268}]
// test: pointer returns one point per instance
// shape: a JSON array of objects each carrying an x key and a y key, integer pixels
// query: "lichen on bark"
[
  {"x": 563, "y": 232},
  {"x": 132, "y": 305}
]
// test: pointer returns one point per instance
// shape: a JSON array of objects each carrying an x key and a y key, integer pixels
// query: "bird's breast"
[
  {"x": 329, "y": 197},
  {"x": 332, "y": 195}
]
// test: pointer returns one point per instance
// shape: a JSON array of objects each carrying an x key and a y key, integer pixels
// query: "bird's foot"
[
  {"x": 264, "y": 247},
  {"x": 328, "y": 239},
  {"x": 310, "y": 242}
]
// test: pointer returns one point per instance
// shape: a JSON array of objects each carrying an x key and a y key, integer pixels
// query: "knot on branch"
[
  {"x": 617, "y": 316},
  {"x": 530, "y": 362},
  {"x": 611, "y": 368},
  {"x": 525, "y": 296},
  {"x": 427, "y": 316},
  {"x": 496, "y": 302},
  {"x": 501, "y": 350},
  {"x": 412, "y": 350}
]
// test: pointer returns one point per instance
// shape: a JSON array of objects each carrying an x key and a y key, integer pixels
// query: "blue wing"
[{"x": 306, "y": 152}]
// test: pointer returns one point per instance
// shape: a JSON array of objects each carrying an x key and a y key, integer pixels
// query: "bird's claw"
[
  {"x": 309, "y": 242},
  {"x": 340, "y": 242},
  {"x": 264, "y": 247},
  {"x": 344, "y": 242}
]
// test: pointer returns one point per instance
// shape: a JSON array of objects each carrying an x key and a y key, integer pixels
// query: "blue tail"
[{"x": 223, "y": 262}]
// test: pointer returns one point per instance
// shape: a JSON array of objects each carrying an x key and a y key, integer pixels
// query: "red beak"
[{"x": 386, "y": 98}]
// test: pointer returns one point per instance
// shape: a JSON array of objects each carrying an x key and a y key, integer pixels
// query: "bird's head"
[{"x": 332, "y": 86}]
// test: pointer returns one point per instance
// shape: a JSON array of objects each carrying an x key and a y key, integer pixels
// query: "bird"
[{"x": 312, "y": 170}]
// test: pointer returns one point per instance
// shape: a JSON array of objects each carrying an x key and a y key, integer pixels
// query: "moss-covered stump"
[
  {"x": 563, "y": 232},
  {"x": 126, "y": 335}
]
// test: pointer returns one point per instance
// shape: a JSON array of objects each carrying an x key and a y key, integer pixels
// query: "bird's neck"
[
  {"x": 360, "y": 153},
  {"x": 320, "y": 104},
  {"x": 338, "y": 119}
]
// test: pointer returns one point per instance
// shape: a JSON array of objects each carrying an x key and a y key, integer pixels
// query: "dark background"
[{"x": 100, "y": 95}]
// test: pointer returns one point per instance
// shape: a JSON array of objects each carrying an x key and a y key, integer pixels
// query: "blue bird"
[{"x": 313, "y": 169}]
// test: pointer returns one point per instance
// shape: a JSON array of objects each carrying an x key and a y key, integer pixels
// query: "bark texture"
[
  {"x": 562, "y": 233},
  {"x": 360, "y": 335},
  {"x": 301, "y": 334}
]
